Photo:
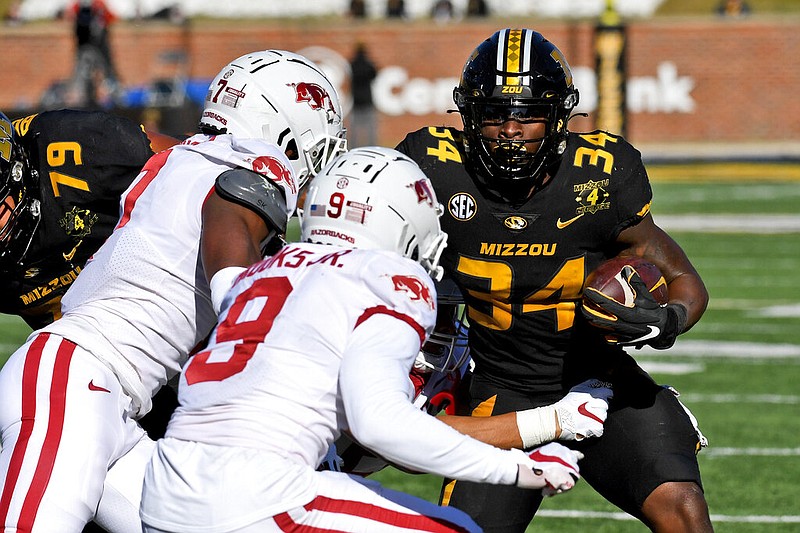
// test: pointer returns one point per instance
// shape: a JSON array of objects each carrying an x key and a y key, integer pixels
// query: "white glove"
[
  {"x": 552, "y": 468},
  {"x": 583, "y": 411},
  {"x": 580, "y": 414}
]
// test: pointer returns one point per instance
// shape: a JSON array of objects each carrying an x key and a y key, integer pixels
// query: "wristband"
[
  {"x": 536, "y": 426},
  {"x": 221, "y": 283},
  {"x": 675, "y": 323}
]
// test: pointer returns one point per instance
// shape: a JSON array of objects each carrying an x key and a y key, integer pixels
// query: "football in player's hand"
[{"x": 609, "y": 280}]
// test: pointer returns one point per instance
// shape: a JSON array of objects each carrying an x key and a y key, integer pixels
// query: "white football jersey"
[
  {"x": 142, "y": 302},
  {"x": 317, "y": 340}
]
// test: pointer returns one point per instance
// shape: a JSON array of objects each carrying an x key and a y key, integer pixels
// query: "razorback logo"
[
  {"x": 415, "y": 288},
  {"x": 275, "y": 170},
  {"x": 423, "y": 190},
  {"x": 314, "y": 95}
]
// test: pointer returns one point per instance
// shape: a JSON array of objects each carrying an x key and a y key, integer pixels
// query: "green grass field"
[{"x": 738, "y": 369}]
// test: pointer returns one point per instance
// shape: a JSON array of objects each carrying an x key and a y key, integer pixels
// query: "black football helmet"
[
  {"x": 19, "y": 207},
  {"x": 515, "y": 73}
]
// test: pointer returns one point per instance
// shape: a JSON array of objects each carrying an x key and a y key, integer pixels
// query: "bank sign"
[{"x": 396, "y": 91}]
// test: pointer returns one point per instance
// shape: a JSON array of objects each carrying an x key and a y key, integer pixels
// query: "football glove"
[
  {"x": 552, "y": 468},
  {"x": 645, "y": 322},
  {"x": 583, "y": 411},
  {"x": 580, "y": 414}
]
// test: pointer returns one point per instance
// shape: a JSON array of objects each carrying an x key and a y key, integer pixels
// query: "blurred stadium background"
[{"x": 711, "y": 101}]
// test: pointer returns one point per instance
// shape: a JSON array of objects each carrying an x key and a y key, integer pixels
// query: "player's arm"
[
  {"x": 686, "y": 287},
  {"x": 244, "y": 213},
  {"x": 376, "y": 397},
  {"x": 646, "y": 321},
  {"x": 230, "y": 241},
  {"x": 499, "y": 430},
  {"x": 580, "y": 414},
  {"x": 232, "y": 235}
]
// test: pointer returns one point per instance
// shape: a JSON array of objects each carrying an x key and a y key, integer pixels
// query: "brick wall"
[{"x": 691, "y": 80}]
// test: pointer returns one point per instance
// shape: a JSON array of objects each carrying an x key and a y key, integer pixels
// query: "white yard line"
[
  {"x": 774, "y": 399},
  {"x": 712, "y": 451},
  {"x": 673, "y": 369},
  {"x": 722, "y": 223},
  {"x": 746, "y": 519},
  {"x": 648, "y": 358},
  {"x": 735, "y": 350}
]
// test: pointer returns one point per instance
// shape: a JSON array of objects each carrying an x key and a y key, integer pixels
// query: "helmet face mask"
[
  {"x": 284, "y": 98},
  {"x": 447, "y": 348},
  {"x": 515, "y": 75},
  {"x": 376, "y": 198},
  {"x": 19, "y": 208}
]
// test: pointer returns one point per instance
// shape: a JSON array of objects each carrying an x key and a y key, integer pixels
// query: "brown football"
[{"x": 607, "y": 278}]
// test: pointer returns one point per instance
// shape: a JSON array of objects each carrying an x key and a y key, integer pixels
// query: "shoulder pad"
[{"x": 256, "y": 192}]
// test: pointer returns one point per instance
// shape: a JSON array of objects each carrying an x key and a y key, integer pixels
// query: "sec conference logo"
[{"x": 462, "y": 206}]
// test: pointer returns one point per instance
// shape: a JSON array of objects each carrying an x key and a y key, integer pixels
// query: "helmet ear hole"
[{"x": 291, "y": 150}]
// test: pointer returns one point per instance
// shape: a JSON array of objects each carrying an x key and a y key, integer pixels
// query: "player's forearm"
[
  {"x": 500, "y": 430},
  {"x": 689, "y": 291}
]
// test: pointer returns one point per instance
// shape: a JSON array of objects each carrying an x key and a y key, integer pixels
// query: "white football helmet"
[
  {"x": 376, "y": 198},
  {"x": 282, "y": 97}
]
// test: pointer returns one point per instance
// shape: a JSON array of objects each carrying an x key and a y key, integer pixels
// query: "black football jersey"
[
  {"x": 84, "y": 161},
  {"x": 522, "y": 268}
]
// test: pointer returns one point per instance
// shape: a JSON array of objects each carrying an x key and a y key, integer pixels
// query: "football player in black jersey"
[
  {"x": 530, "y": 209},
  {"x": 61, "y": 175}
]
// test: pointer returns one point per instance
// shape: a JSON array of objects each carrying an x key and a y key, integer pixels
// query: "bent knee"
[{"x": 677, "y": 507}]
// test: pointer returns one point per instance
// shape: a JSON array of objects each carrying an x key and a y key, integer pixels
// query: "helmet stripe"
[
  {"x": 514, "y": 56},
  {"x": 513, "y": 49},
  {"x": 501, "y": 58},
  {"x": 526, "y": 56}
]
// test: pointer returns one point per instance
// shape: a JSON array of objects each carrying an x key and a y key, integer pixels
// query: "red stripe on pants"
[
  {"x": 52, "y": 439},
  {"x": 364, "y": 510}
]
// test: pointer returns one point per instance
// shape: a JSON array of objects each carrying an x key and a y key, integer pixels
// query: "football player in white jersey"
[
  {"x": 318, "y": 340},
  {"x": 195, "y": 216}
]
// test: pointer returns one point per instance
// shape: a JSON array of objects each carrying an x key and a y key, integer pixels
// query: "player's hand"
[
  {"x": 583, "y": 411},
  {"x": 552, "y": 468},
  {"x": 644, "y": 322}
]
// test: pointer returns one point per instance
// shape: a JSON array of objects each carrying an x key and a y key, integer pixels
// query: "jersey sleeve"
[
  {"x": 633, "y": 191},
  {"x": 401, "y": 288},
  {"x": 376, "y": 393},
  {"x": 411, "y": 144}
]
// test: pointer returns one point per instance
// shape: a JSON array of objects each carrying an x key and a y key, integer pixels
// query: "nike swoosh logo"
[
  {"x": 537, "y": 455},
  {"x": 654, "y": 332},
  {"x": 69, "y": 256},
  {"x": 564, "y": 224},
  {"x": 585, "y": 412},
  {"x": 97, "y": 388}
]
